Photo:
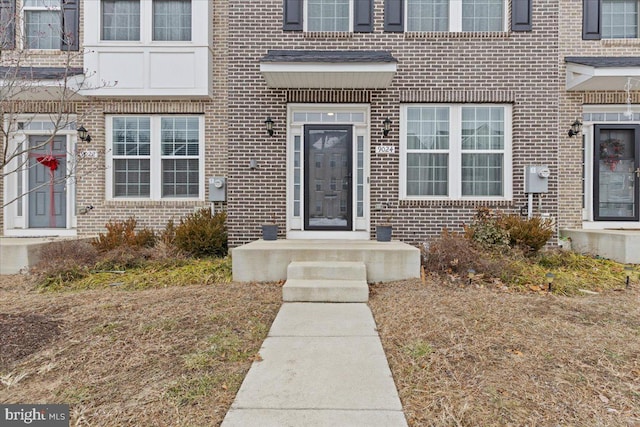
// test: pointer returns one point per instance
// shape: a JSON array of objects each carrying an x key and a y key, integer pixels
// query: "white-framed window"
[
  {"x": 619, "y": 19},
  {"x": 42, "y": 24},
  {"x": 456, "y": 15},
  {"x": 328, "y": 15},
  {"x": 455, "y": 151},
  {"x": 120, "y": 20},
  {"x": 123, "y": 20},
  {"x": 172, "y": 20},
  {"x": 155, "y": 157}
]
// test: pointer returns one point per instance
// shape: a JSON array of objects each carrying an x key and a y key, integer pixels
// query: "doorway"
[{"x": 328, "y": 177}]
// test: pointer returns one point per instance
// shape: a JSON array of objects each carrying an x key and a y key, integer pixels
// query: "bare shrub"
[
  {"x": 64, "y": 261},
  {"x": 454, "y": 253}
]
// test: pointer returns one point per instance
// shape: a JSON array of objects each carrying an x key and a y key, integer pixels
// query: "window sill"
[
  {"x": 328, "y": 35},
  {"x": 147, "y": 203},
  {"x": 620, "y": 42},
  {"x": 456, "y": 202},
  {"x": 410, "y": 35}
]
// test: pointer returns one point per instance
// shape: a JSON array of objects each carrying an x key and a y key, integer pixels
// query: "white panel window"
[
  {"x": 42, "y": 24},
  {"x": 619, "y": 19},
  {"x": 121, "y": 20},
  {"x": 155, "y": 157},
  {"x": 328, "y": 15},
  {"x": 456, "y": 151},
  {"x": 172, "y": 20},
  {"x": 456, "y": 15}
]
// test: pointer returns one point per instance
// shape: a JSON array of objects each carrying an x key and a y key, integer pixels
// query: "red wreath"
[{"x": 49, "y": 161}]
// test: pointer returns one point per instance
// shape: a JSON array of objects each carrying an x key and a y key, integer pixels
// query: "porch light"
[
  {"x": 576, "y": 128},
  {"x": 83, "y": 134},
  {"x": 550, "y": 277},
  {"x": 628, "y": 270},
  {"x": 387, "y": 127},
  {"x": 269, "y": 124}
]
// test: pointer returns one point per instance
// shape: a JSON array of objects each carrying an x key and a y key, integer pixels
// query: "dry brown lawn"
[
  {"x": 158, "y": 357},
  {"x": 482, "y": 357},
  {"x": 460, "y": 356}
]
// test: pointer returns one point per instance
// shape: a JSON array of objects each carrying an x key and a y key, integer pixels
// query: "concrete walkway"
[{"x": 322, "y": 365}]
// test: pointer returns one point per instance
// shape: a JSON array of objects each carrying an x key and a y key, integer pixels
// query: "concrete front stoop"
[{"x": 318, "y": 281}]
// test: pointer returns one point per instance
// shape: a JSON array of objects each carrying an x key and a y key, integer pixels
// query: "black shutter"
[
  {"x": 292, "y": 15},
  {"x": 521, "y": 11},
  {"x": 363, "y": 16},
  {"x": 394, "y": 15},
  {"x": 70, "y": 25},
  {"x": 591, "y": 20},
  {"x": 8, "y": 24}
]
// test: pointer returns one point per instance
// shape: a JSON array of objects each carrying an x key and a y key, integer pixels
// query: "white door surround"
[{"x": 355, "y": 116}]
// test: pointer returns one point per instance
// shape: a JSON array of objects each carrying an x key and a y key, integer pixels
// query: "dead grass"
[
  {"x": 481, "y": 357},
  {"x": 170, "y": 356}
]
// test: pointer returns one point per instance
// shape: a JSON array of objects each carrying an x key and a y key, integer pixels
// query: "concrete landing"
[
  {"x": 322, "y": 365},
  {"x": 618, "y": 245},
  {"x": 17, "y": 254},
  {"x": 267, "y": 261}
]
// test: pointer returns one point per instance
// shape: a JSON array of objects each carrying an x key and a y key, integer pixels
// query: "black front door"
[
  {"x": 328, "y": 177},
  {"x": 616, "y": 155}
]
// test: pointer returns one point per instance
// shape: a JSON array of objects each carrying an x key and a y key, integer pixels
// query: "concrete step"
[
  {"x": 301, "y": 290},
  {"x": 324, "y": 270}
]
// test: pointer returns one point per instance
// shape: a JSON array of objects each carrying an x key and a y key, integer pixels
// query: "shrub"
[
  {"x": 454, "y": 253},
  {"x": 124, "y": 233},
  {"x": 64, "y": 261},
  {"x": 486, "y": 230},
  {"x": 529, "y": 234},
  {"x": 202, "y": 234}
]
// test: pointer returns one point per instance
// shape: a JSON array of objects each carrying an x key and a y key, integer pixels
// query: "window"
[
  {"x": 172, "y": 20},
  {"x": 328, "y": 15},
  {"x": 121, "y": 20},
  {"x": 619, "y": 19},
  {"x": 155, "y": 157},
  {"x": 42, "y": 24},
  {"x": 457, "y": 151},
  {"x": 455, "y": 15}
]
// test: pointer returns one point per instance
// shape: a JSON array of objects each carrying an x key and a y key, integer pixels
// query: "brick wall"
[{"x": 432, "y": 67}]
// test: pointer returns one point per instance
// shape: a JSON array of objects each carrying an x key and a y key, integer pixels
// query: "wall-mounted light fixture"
[
  {"x": 269, "y": 124},
  {"x": 576, "y": 128},
  {"x": 253, "y": 164},
  {"x": 386, "y": 127},
  {"x": 83, "y": 134}
]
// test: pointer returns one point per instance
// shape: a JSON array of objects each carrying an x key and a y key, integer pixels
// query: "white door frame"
[
  {"x": 16, "y": 211},
  {"x": 357, "y": 115}
]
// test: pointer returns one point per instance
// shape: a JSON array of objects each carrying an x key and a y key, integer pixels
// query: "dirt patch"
[
  {"x": 467, "y": 356},
  {"x": 24, "y": 334},
  {"x": 169, "y": 356}
]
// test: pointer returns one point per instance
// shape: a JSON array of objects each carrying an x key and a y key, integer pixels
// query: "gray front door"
[
  {"x": 328, "y": 177},
  {"x": 47, "y": 183}
]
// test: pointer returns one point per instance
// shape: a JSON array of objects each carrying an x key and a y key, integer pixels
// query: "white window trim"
[
  {"x": 637, "y": 27},
  {"x": 455, "y": 154},
  {"x": 455, "y": 17},
  {"x": 155, "y": 159},
  {"x": 305, "y": 20}
]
